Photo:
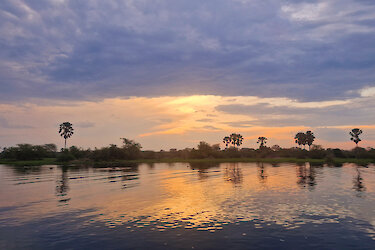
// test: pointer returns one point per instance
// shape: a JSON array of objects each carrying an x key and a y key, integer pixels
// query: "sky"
[{"x": 171, "y": 73}]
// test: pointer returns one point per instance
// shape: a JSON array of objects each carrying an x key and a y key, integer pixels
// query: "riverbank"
[{"x": 54, "y": 161}]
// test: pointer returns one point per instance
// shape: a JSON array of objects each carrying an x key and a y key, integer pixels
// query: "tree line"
[
  {"x": 131, "y": 150},
  {"x": 301, "y": 138}
]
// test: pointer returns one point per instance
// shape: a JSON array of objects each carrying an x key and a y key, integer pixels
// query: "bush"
[
  {"x": 65, "y": 156},
  {"x": 26, "y": 152},
  {"x": 129, "y": 151}
]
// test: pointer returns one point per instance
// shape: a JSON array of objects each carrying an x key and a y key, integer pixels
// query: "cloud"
[
  {"x": 180, "y": 121},
  {"x": 91, "y": 50},
  {"x": 85, "y": 124},
  {"x": 209, "y": 127},
  {"x": 4, "y": 123},
  {"x": 367, "y": 92},
  {"x": 205, "y": 120},
  {"x": 354, "y": 111},
  {"x": 185, "y": 68}
]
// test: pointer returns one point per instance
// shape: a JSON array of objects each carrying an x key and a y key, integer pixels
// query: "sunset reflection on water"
[{"x": 180, "y": 196}]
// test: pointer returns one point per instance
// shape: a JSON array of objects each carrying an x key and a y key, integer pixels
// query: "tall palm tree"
[
  {"x": 355, "y": 135},
  {"x": 262, "y": 140},
  {"x": 226, "y": 141},
  {"x": 309, "y": 138},
  {"x": 236, "y": 139},
  {"x": 66, "y": 130},
  {"x": 300, "y": 138}
]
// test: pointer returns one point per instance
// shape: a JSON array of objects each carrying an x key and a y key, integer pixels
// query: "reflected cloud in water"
[{"x": 199, "y": 197}]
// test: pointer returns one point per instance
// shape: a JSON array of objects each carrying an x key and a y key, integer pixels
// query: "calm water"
[{"x": 162, "y": 206}]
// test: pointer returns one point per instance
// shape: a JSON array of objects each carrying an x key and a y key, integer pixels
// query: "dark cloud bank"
[{"x": 307, "y": 50}]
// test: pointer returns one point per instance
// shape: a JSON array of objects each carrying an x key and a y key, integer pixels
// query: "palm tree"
[
  {"x": 355, "y": 135},
  {"x": 66, "y": 130},
  {"x": 234, "y": 139},
  {"x": 262, "y": 140},
  {"x": 237, "y": 139},
  {"x": 300, "y": 138},
  {"x": 226, "y": 141},
  {"x": 309, "y": 138}
]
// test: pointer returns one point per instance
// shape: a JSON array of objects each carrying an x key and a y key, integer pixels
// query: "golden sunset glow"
[
  {"x": 189, "y": 119},
  {"x": 178, "y": 197},
  {"x": 143, "y": 124}
]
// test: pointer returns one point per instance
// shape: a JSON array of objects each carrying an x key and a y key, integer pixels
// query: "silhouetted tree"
[
  {"x": 204, "y": 149},
  {"x": 130, "y": 143},
  {"x": 226, "y": 141},
  {"x": 309, "y": 138},
  {"x": 262, "y": 140},
  {"x": 300, "y": 138},
  {"x": 355, "y": 135},
  {"x": 236, "y": 139},
  {"x": 66, "y": 130},
  {"x": 131, "y": 149}
]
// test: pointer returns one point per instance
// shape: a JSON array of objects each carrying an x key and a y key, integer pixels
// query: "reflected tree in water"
[
  {"x": 275, "y": 165},
  {"x": 358, "y": 182},
  {"x": 150, "y": 165},
  {"x": 25, "y": 170},
  {"x": 203, "y": 167},
  {"x": 62, "y": 187},
  {"x": 202, "y": 174},
  {"x": 233, "y": 173},
  {"x": 262, "y": 173},
  {"x": 128, "y": 175},
  {"x": 306, "y": 176}
]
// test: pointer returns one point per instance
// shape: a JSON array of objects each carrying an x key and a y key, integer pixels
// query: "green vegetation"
[
  {"x": 130, "y": 151},
  {"x": 26, "y": 152}
]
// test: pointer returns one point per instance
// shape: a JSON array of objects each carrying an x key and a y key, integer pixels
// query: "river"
[{"x": 188, "y": 206}]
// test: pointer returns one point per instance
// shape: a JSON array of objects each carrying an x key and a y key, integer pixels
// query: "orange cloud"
[{"x": 187, "y": 118}]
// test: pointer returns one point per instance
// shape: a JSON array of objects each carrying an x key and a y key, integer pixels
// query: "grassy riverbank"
[{"x": 53, "y": 161}]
